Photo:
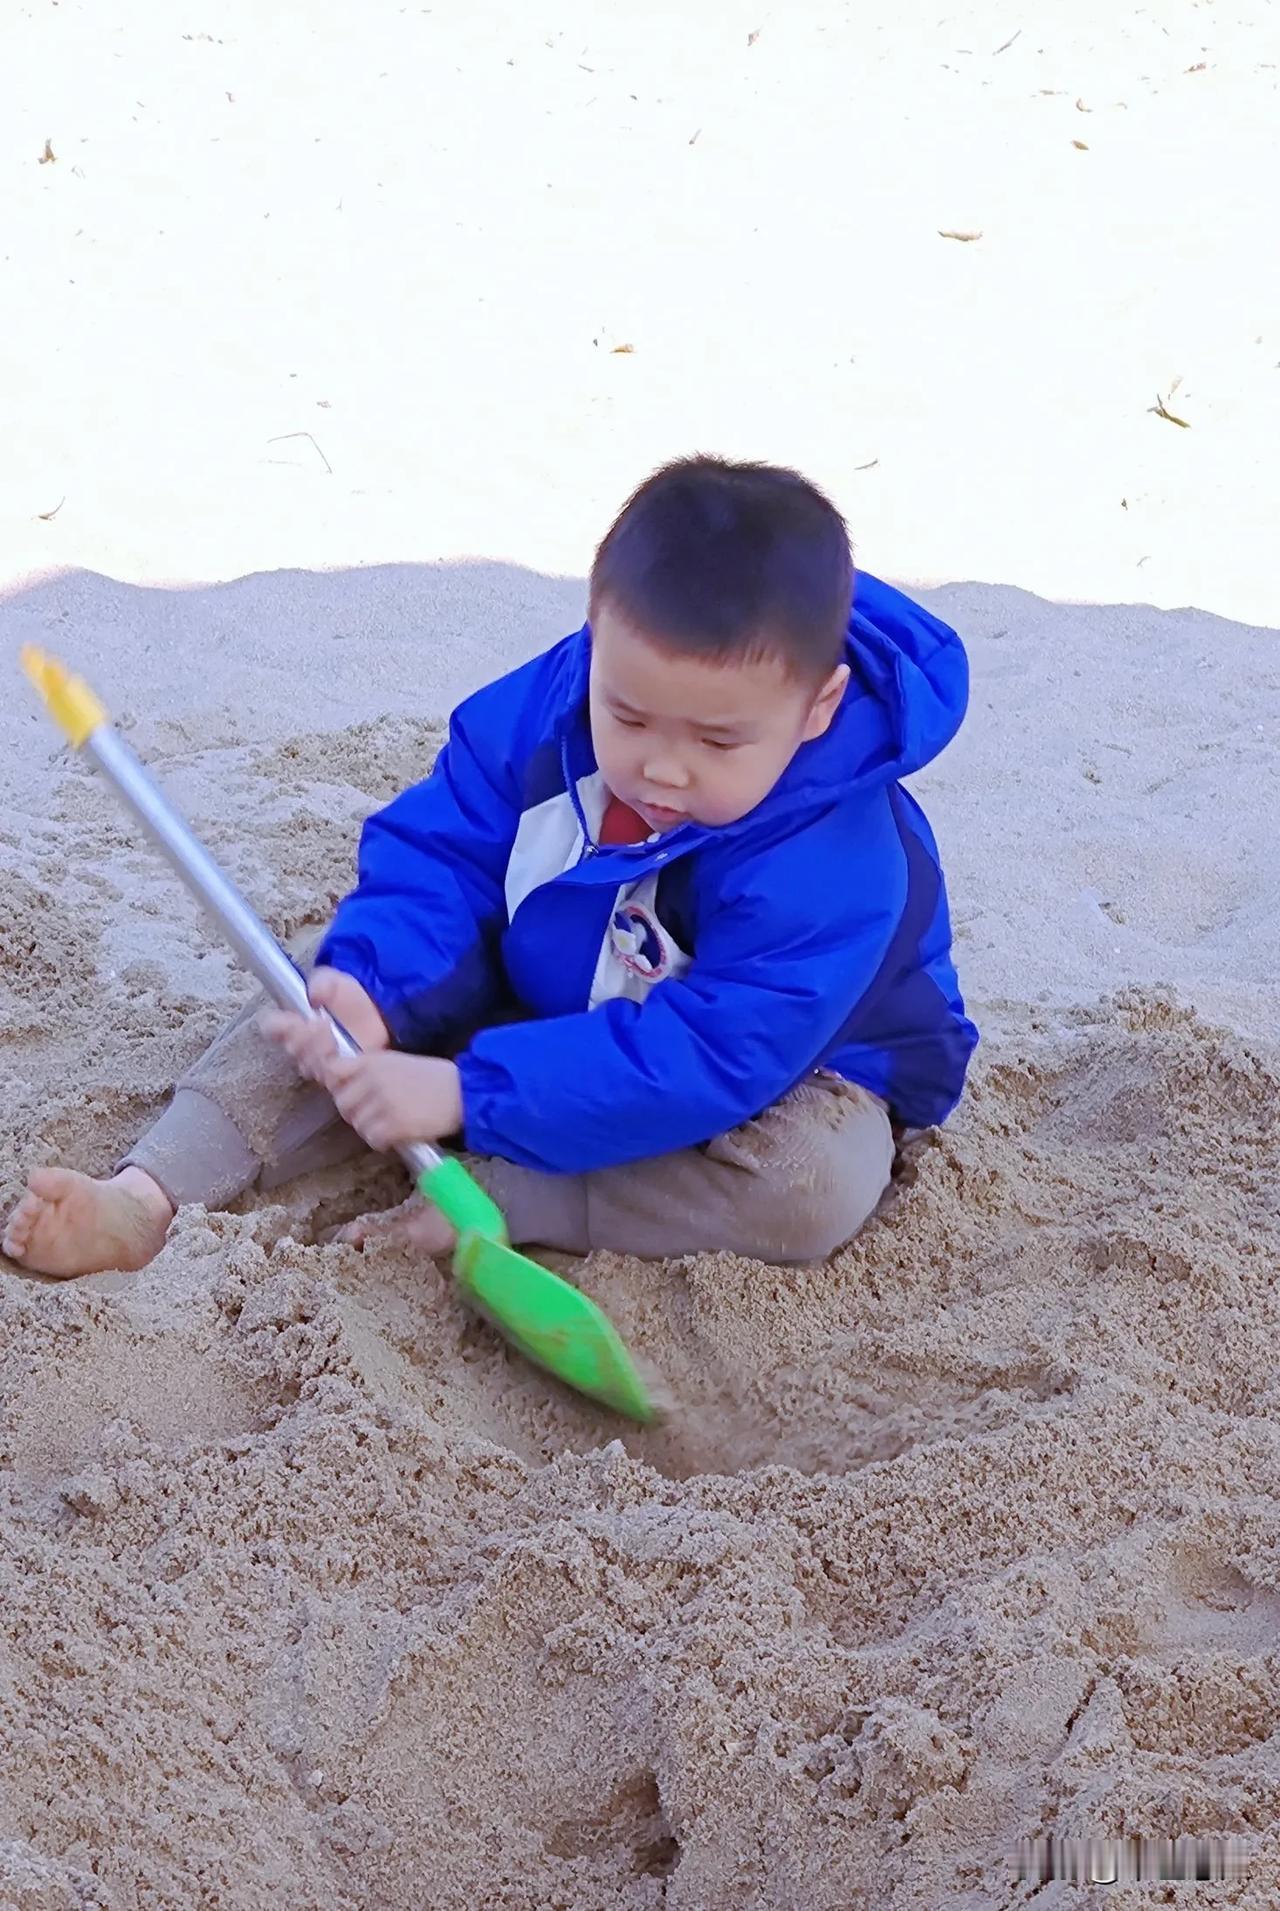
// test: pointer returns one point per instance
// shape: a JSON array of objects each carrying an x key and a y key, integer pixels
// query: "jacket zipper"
[{"x": 589, "y": 846}]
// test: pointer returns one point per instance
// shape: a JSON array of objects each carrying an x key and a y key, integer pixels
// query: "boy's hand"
[
  {"x": 351, "y": 1005},
  {"x": 389, "y": 1099},
  {"x": 309, "y": 1039}
]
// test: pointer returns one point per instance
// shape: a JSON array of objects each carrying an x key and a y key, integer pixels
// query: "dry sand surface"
[{"x": 314, "y": 400}]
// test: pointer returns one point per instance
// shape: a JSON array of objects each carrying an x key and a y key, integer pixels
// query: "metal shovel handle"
[{"x": 243, "y": 928}]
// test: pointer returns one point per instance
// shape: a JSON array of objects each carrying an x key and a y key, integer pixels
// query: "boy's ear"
[{"x": 826, "y": 703}]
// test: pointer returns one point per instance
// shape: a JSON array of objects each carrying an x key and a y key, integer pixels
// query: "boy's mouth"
[{"x": 658, "y": 816}]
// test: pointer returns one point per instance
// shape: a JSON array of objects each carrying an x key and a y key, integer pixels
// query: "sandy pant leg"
[
  {"x": 242, "y": 1115},
  {"x": 792, "y": 1186}
]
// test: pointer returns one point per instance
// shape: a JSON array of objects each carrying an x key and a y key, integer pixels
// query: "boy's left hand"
[{"x": 390, "y": 1098}]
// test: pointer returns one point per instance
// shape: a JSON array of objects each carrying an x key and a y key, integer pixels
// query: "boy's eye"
[
  {"x": 629, "y": 723},
  {"x": 720, "y": 743}
]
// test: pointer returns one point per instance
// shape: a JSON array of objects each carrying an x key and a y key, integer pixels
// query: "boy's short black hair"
[{"x": 733, "y": 563}]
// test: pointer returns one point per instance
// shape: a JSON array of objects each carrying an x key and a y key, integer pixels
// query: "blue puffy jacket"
[{"x": 605, "y": 1004}]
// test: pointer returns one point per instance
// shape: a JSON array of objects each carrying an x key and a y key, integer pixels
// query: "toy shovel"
[{"x": 548, "y": 1319}]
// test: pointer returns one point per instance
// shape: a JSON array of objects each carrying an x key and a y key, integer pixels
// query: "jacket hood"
[{"x": 907, "y": 695}]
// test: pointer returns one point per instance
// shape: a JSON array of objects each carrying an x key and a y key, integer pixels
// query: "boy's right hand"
[{"x": 309, "y": 1039}]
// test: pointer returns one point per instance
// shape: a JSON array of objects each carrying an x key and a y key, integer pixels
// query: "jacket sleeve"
[
  {"x": 777, "y": 973},
  {"x": 420, "y": 931}
]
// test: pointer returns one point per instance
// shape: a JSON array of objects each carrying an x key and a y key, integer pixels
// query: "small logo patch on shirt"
[{"x": 638, "y": 942}]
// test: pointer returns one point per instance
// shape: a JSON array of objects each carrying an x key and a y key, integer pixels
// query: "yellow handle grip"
[{"x": 68, "y": 699}]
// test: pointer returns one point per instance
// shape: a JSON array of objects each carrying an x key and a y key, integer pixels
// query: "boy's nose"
[{"x": 664, "y": 774}]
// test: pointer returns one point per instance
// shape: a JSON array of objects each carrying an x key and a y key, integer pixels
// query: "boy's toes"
[
  {"x": 19, "y": 1227},
  {"x": 414, "y": 1224},
  {"x": 353, "y": 1234},
  {"x": 387, "y": 1224}
]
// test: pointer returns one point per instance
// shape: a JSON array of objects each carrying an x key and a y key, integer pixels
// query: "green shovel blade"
[{"x": 551, "y": 1322}]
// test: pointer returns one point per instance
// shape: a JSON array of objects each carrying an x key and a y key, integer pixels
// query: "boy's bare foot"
[
  {"x": 68, "y": 1224},
  {"x": 415, "y": 1223}
]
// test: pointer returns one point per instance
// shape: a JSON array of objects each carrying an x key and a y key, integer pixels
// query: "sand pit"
[{"x": 316, "y": 1595}]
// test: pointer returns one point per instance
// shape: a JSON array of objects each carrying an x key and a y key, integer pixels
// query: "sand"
[{"x": 312, "y": 1594}]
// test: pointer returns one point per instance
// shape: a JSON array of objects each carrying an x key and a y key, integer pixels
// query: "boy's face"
[{"x": 681, "y": 740}]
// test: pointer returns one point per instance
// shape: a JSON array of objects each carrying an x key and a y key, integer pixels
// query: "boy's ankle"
[{"x": 143, "y": 1188}]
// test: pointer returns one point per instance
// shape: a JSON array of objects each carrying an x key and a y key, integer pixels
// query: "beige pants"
[{"x": 793, "y": 1185}]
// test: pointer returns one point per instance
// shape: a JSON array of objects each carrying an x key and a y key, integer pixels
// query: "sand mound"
[{"x": 314, "y": 1594}]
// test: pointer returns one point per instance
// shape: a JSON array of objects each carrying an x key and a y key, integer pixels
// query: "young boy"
[{"x": 661, "y": 938}]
